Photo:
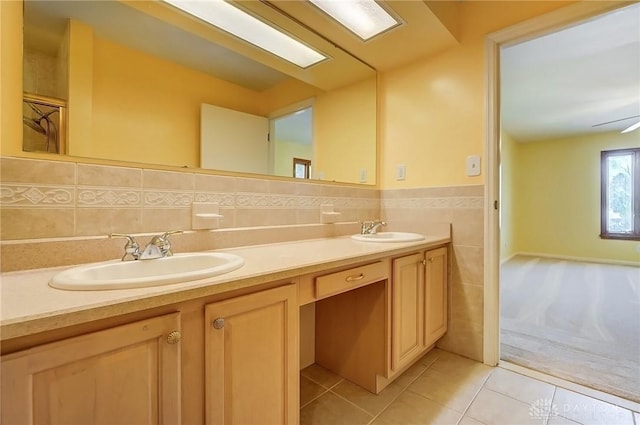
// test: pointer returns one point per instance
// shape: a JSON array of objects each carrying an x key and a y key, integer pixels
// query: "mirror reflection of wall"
[{"x": 130, "y": 101}]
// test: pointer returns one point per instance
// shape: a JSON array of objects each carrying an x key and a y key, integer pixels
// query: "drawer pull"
[{"x": 355, "y": 278}]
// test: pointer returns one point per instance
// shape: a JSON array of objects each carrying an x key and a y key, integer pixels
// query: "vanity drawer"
[{"x": 346, "y": 280}]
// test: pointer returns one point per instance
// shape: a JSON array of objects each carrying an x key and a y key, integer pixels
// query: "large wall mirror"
[{"x": 134, "y": 81}]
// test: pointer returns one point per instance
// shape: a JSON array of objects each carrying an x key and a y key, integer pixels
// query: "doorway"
[
  {"x": 291, "y": 143},
  {"x": 499, "y": 229}
]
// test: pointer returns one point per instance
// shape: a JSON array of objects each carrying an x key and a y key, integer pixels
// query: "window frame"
[{"x": 604, "y": 178}]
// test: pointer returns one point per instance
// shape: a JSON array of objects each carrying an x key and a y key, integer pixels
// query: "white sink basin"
[
  {"x": 389, "y": 237},
  {"x": 118, "y": 274}
]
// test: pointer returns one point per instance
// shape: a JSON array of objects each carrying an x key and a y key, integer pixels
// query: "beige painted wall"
[
  {"x": 556, "y": 195},
  {"x": 432, "y": 112},
  {"x": 509, "y": 149}
]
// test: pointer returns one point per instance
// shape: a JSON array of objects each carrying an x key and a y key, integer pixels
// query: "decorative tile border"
[
  {"x": 105, "y": 197},
  {"x": 222, "y": 199},
  {"x": 470, "y": 202},
  {"x": 36, "y": 196},
  {"x": 167, "y": 199}
]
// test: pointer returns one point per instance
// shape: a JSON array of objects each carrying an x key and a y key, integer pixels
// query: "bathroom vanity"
[{"x": 224, "y": 349}]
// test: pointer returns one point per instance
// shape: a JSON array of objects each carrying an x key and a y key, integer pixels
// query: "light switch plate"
[
  {"x": 473, "y": 165},
  {"x": 363, "y": 175},
  {"x": 401, "y": 172}
]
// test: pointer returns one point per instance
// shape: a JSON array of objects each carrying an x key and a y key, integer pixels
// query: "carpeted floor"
[{"x": 577, "y": 321}]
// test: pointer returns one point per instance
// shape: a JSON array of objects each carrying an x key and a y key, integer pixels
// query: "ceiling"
[
  {"x": 569, "y": 82},
  {"x": 142, "y": 25}
]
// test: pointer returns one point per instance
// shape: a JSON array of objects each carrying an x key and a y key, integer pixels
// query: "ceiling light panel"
[
  {"x": 247, "y": 27},
  {"x": 365, "y": 18},
  {"x": 631, "y": 128}
]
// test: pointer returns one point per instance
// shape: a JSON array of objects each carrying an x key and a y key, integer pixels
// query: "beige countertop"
[{"x": 29, "y": 305}]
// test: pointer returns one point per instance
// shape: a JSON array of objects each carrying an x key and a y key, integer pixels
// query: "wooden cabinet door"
[
  {"x": 435, "y": 295},
  {"x": 129, "y": 374},
  {"x": 407, "y": 332},
  {"x": 251, "y": 364}
]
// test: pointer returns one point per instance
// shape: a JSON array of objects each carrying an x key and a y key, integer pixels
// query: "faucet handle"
[
  {"x": 164, "y": 243},
  {"x": 130, "y": 248}
]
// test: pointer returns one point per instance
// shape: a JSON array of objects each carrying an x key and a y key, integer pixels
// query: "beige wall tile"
[
  {"x": 212, "y": 183},
  {"x": 102, "y": 221},
  {"x": 100, "y": 175},
  {"x": 467, "y": 264},
  {"x": 31, "y": 223},
  {"x": 250, "y": 185},
  {"x": 283, "y": 187},
  {"x": 464, "y": 338},
  {"x": 167, "y": 180},
  {"x": 466, "y": 302},
  {"x": 467, "y": 226},
  {"x": 165, "y": 219},
  {"x": 22, "y": 170},
  {"x": 307, "y": 216}
]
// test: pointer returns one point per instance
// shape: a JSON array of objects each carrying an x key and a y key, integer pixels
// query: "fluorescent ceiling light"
[
  {"x": 631, "y": 128},
  {"x": 365, "y": 18},
  {"x": 245, "y": 26}
]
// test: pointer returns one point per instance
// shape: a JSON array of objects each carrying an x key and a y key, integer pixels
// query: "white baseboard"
[
  {"x": 582, "y": 259},
  {"x": 504, "y": 260}
]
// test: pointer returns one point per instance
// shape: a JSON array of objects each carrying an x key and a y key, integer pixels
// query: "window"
[
  {"x": 301, "y": 168},
  {"x": 620, "y": 204}
]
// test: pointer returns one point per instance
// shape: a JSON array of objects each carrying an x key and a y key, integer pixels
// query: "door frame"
[{"x": 524, "y": 31}]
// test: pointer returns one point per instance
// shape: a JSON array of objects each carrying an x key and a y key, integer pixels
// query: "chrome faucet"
[
  {"x": 130, "y": 248},
  {"x": 371, "y": 227},
  {"x": 158, "y": 247}
]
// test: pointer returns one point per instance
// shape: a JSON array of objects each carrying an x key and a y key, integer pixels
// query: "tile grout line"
[
  {"x": 484, "y": 382},
  {"x": 406, "y": 388}
]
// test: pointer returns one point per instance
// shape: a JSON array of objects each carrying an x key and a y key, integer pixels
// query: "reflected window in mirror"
[{"x": 301, "y": 168}]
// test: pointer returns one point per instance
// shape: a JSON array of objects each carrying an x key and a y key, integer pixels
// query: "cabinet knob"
[
  {"x": 218, "y": 323},
  {"x": 174, "y": 337},
  {"x": 424, "y": 262}
]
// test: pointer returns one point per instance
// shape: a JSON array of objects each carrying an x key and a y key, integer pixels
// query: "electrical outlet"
[{"x": 473, "y": 165}]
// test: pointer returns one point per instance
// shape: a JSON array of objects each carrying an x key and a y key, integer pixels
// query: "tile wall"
[
  {"x": 462, "y": 206},
  {"x": 59, "y": 213}
]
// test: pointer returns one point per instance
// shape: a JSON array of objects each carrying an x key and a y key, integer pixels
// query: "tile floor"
[{"x": 443, "y": 388}]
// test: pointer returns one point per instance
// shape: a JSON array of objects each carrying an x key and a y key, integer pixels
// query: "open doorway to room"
[
  {"x": 569, "y": 297},
  {"x": 291, "y": 137}
]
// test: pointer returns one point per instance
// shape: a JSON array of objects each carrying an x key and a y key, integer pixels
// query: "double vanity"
[{"x": 222, "y": 348}]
